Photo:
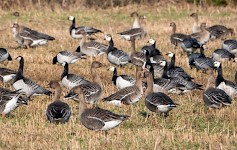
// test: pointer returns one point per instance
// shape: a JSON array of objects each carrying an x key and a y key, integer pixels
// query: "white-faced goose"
[
  {"x": 221, "y": 83},
  {"x": 68, "y": 56},
  {"x": 214, "y": 97},
  {"x": 57, "y": 111},
  {"x": 189, "y": 45},
  {"x": 220, "y": 31},
  {"x": 176, "y": 38},
  {"x": 26, "y": 85},
  {"x": 9, "y": 100},
  {"x": 203, "y": 36},
  {"x": 153, "y": 51},
  {"x": 92, "y": 90},
  {"x": 114, "y": 55},
  {"x": 75, "y": 31},
  {"x": 92, "y": 47},
  {"x": 196, "y": 27},
  {"x": 222, "y": 55},
  {"x": 7, "y": 74},
  {"x": 157, "y": 102},
  {"x": 71, "y": 80},
  {"x": 97, "y": 118},
  {"x": 156, "y": 59},
  {"x": 128, "y": 95},
  {"x": 4, "y": 55},
  {"x": 230, "y": 45},
  {"x": 28, "y": 37}
]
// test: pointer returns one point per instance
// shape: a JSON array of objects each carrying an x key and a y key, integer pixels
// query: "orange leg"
[{"x": 3, "y": 115}]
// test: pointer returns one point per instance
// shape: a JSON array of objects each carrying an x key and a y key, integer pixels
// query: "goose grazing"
[
  {"x": 92, "y": 90},
  {"x": 203, "y": 36},
  {"x": 196, "y": 28},
  {"x": 26, "y": 85},
  {"x": 68, "y": 56},
  {"x": 97, "y": 118},
  {"x": 214, "y": 97},
  {"x": 128, "y": 95},
  {"x": 219, "y": 31},
  {"x": 176, "y": 38},
  {"x": 189, "y": 45},
  {"x": 221, "y": 83},
  {"x": 6, "y": 74},
  {"x": 28, "y": 37},
  {"x": 57, "y": 111},
  {"x": 4, "y": 55},
  {"x": 230, "y": 45},
  {"x": 75, "y": 31},
  {"x": 71, "y": 80},
  {"x": 114, "y": 55},
  {"x": 175, "y": 71},
  {"x": 9, "y": 100},
  {"x": 121, "y": 81},
  {"x": 153, "y": 51},
  {"x": 157, "y": 102},
  {"x": 91, "y": 48},
  {"x": 222, "y": 55}
]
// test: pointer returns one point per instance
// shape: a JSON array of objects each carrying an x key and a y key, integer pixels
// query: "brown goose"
[
  {"x": 97, "y": 118},
  {"x": 203, "y": 36},
  {"x": 176, "y": 38}
]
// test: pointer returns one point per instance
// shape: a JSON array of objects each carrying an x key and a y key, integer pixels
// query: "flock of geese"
[{"x": 155, "y": 78}]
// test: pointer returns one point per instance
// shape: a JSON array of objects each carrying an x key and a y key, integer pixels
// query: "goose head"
[
  {"x": 203, "y": 26},
  {"x": 71, "y": 18},
  {"x": 217, "y": 64},
  {"x": 19, "y": 58},
  {"x": 16, "y": 14},
  {"x": 170, "y": 54},
  {"x": 134, "y": 14},
  {"x": 53, "y": 84},
  {"x": 96, "y": 64},
  {"x": 151, "y": 41},
  {"x": 172, "y": 24},
  {"x": 194, "y": 15},
  {"x": 108, "y": 37},
  {"x": 162, "y": 63},
  {"x": 111, "y": 68}
]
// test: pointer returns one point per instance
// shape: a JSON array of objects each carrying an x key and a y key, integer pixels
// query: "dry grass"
[{"x": 189, "y": 126}]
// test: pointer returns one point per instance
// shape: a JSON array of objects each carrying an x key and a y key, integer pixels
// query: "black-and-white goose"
[
  {"x": 153, "y": 51},
  {"x": 57, "y": 111},
  {"x": 4, "y": 55},
  {"x": 75, "y": 31},
  {"x": 157, "y": 102},
  {"x": 97, "y": 118},
  {"x": 6, "y": 74},
  {"x": 221, "y": 83},
  {"x": 230, "y": 45},
  {"x": 71, "y": 80},
  {"x": 68, "y": 56},
  {"x": 189, "y": 45},
  {"x": 222, "y": 55},
  {"x": 114, "y": 55},
  {"x": 176, "y": 38},
  {"x": 26, "y": 85}
]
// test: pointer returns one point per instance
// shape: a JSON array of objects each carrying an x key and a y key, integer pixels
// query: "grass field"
[{"x": 189, "y": 126}]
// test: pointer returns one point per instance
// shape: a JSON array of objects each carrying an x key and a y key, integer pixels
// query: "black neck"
[
  {"x": 65, "y": 71},
  {"x": 172, "y": 62},
  {"x": 115, "y": 76},
  {"x": 19, "y": 74},
  {"x": 73, "y": 26},
  {"x": 202, "y": 51},
  {"x": 219, "y": 77},
  {"x": 164, "y": 75},
  {"x": 111, "y": 46},
  {"x": 154, "y": 45},
  {"x": 78, "y": 49}
]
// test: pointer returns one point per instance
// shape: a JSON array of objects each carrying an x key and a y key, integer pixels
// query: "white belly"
[
  {"x": 11, "y": 105},
  {"x": 110, "y": 124},
  {"x": 20, "y": 85}
]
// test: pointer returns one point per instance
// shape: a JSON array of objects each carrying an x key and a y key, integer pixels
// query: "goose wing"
[
  {"x": 37, "y": 34},
  {"x": 96, "y": 46},
  {"x": 159, "y": 99}
]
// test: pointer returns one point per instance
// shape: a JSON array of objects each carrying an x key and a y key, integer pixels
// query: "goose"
[
  {"x": 221, "y": 83},
  {"x": 175, "y": 71},
  {"x": 114, "y": 55},
  {"x": 176, "y": 38},
  {"x": 214, "y": 97},
  {"x": 4, "y": 55},
  {"x": 92, "y": 90},
  {"x": 57, "y": 111},
  {"x": 71, "y": 80},
  {"x": 196, "y": 28},
  {"x": 189, "y": 45},
  {"x": 127, "y": 95},
  {"x": 6, "y": 74},
  {"x": 153, "y": 51},
  {"x": 91, "y": 48},
  {"x": 28, "y": 37},
  {"x": 68, "y": 56},
  {"x": 218, "y": 31},
  {"x": 75, "y": 31},
  {"x": 222, "y": 55},
  {"x": 157, "y": 102},
  {"x": 230, "y": 45},
  {"x": 26, "y": 85},
  {"x": 9, "y": 100},
  {"x": 96, "y": 118},
  {"x": 193, "y": 56},
  {"x": 203, "y": 36}
]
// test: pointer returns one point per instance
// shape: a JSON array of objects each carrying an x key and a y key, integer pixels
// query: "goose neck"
[
  {"x": 83, "y": 40},
  {"x": 172, "y": 62},
  {"x": 65, "y": 71},
  {"x": 149, "y": 81},
  {"x": 211, "y": 80},
  {"x": 96, "y": 77},
  {"x": 133, "y": 45},
  {"x": 219, "y": 77},
  {"x": 57, "y": 94},
  {"x": 136, "y": 23},
  {"x": 174, "y": 29},
  {"x": 82, "y": 103},
  {"x": 115, "y": 76}
]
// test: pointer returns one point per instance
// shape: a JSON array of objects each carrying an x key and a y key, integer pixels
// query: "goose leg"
[{"x": 3, "y": 115}]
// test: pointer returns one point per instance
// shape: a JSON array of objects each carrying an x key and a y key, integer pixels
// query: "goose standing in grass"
[
  {"x": 219, "y": 31},
  {"x": 157, "y": 102},
  {"x": 128, "y": 95},
  {"x": 153, "y": 51},
  {"x": 6, "y": 74},
  {"x": 75, "y": 31},
  {"x": 97, "y": 118},
  {"x": 57, "y": 111},
  {"x": 114, "y": 55},
  {"x": 222, "y": 55},
  {"x": 214, "y": 97},
  {"x": 28, "y": 37},
  {"x": 176, "y": 38},
  {"x": 203, "y": 36},
  {"x": 71, "y": 80},
  {"x": 196, "y": 27},
  {"x": 221, "y": 83},
  {"x": 92, "y": 90},
  {"x": 68, "y": 56},
  {"x": 230, "y": 45},
  {"x": 26, "y": 85},
  {"x": 4, "y": 55},
  {"x": 9, "y": 100}
]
